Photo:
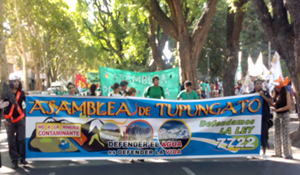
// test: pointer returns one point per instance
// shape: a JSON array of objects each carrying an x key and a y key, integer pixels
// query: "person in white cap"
[{"x": 15, "y": 122}]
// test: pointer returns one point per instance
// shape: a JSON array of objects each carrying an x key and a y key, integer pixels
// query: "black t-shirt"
[
  {"x": 15, "y": 113},
  {"x": 265, "y": 106}
]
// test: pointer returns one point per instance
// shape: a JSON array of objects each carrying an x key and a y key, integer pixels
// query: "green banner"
[
  {"x": 168, "y": 79},
  {"x": 93, "y": 78}
]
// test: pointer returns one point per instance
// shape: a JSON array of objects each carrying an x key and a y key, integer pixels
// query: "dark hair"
[
  {"x": 188, "y": 83},
  {"x": 93, "y": 89},
  {"x": 282, "y": 97},
  {"x": 155, "y": 77},
  {"x": 12, "y": 86},
  {"x": 256, "y": 80},
  {"x": 124, "y": 83},
  {"x": 115, "y": 86},
  {"x": 70, "y": 84}
]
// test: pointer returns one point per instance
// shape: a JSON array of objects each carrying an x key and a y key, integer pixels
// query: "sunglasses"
[{"x": 71, "y": 87}]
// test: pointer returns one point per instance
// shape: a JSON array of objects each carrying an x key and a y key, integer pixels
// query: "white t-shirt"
[
  {"x": 238, "y": 91},
  {"x": 251, "y": 88},
  {"x": 112, "y": 94}
]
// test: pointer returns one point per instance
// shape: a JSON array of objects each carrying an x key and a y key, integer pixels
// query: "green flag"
[
  {"x": 93, "y": 78},
  {"x": 168, "y": 79}
]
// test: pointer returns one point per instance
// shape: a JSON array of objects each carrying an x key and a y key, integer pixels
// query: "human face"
[
  {"x": 156, "y": 82},
  {"x": 133, "y": 94},
  {"x": 124, "y": 88},
  {"x": 117, "y": 90},
  {"x": 258, "y": 86},
  {"x": 71, "y": 89},
  {"x": 187, "y": 88},
  {"x": 278, "y": 89},
  {"x": 16, "y": 84}
]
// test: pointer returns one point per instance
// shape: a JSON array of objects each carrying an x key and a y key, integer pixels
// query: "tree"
[
  {"x": 189, "y": 43},
  {"x": 3, "y": 59},
  {"x": 234, "y": 24},
  {"x": 282, "y": 28}
]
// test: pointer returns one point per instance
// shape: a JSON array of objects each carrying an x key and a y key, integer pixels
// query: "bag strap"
[{"x": 188, "y": 95}]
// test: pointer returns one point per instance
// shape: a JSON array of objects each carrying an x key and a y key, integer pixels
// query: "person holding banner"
[
  {"x": 155, "y": 91},
  {"x": 93, "y": 90},
  {"x": 15, "y": 123},
  {"x": 123, "y": 84},
  {"x": 71, "y": 89},
  {"x": 131, "y": 92},
  {"x": 282, "y": 103},
  {"x": 188, "y": 93},
  {"x": 116, "y": 90},
  {"x": 267, "y": 100}
]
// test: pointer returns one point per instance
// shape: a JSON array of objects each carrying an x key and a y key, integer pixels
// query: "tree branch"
[{"x": 162, "y": 19}]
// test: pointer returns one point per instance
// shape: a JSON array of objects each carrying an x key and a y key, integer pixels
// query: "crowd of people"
[{"x": 280, "y": 102}]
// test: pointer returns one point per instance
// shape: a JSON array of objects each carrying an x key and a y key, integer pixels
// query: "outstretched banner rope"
[{"x": 65, "y": 128}]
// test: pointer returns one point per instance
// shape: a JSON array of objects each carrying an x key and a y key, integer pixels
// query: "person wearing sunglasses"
[{"x": 71, "y": 89}]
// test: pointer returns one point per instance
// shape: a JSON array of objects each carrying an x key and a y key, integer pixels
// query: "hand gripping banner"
[{"x": 65, "y": 128}]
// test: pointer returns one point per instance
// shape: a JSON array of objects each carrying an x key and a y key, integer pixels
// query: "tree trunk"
[
  {"x": 37, "y": 77},
  {"x": 188, "y": 46},
  {"x": 3, "y": 59},
  {"x": 24, "y": 61},
  {"x": 157, "y": 49},
  {"x": 234, "y": 24}
]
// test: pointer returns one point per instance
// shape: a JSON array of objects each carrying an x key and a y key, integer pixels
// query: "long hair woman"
[
  {"x": 130, "y": 92},
  {"x": 15, "y": 123},
  {"x": 282, "y": 104}
]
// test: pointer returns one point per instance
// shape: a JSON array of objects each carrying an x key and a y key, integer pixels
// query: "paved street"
[{"x": 232, "y": 166}]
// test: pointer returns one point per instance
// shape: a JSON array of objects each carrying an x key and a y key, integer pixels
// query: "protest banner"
[
  {"x": 65, "y": 128},
  {"x": 80, "y": 81},
  {"x": 93, "y": 78},
  {"x": 168, "y": 79}
]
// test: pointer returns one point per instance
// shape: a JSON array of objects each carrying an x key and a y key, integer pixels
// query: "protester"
[
  {"x": 216, "y": 89},
  {"x": 290, "y": 90},
  {"x": 155, "y": 91},
  {"x": 282, "y": 103},
  {"x": 239, "y": 90},
  {"x": 198, "y": 91},
  {"x": 123, "y": 84},
  {"x": 71, "y": 89},
  {"x": 93, "y": 90},
  {"x": 188, "y": 93},
  {"x": 15, "y": 123},
  {"x": 212, "y": 89},
  {"x": 220, "y": 87},
  {"x": 267, "y": 100},
  {"x": 207, "y": 89},
  {"x": 251, "y": 86},
  {"x": 203, "y": 88},
  {"x": 116, "y": 90},
  {"x": 131, "y": 92}
]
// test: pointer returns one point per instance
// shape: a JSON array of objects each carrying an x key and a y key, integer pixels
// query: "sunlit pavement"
[{"x": 232, "y": 166}]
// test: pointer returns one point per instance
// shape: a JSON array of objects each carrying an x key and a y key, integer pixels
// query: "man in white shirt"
[{"x": 239, "y": 90}]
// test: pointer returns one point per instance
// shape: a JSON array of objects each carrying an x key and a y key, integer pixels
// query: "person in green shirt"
[
  {"x": 208, "y": 89},
  {"x": 188, "y": 93},
  {"x": 203, "y": 89},
  {"x": 155, "y": 91}
]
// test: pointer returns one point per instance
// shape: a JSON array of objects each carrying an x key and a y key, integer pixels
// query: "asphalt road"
[{"x": 239, "y": 166}]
